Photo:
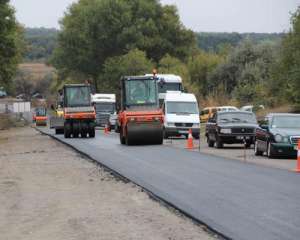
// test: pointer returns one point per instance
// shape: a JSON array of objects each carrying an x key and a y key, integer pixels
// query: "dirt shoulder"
[{"x": 48, "y": 191}]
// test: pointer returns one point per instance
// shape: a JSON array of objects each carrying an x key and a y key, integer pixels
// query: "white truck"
[
  {"x": 181, "y": 113},
  {"x": 105, "y": 107},
  {"x": 167, "y": 82}
]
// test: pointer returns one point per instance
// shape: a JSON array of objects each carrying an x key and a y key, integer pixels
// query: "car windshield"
[
  {"x": 182, "y": 107},
  {"x": 286, "y": 122},
  {"x": 141, "y": 92},
  {"x": 78, "y": 96},
  {"x": 105, "y": 107},
  {"x": 230, "y": 117},
  {"x": 163, "y": 87}
]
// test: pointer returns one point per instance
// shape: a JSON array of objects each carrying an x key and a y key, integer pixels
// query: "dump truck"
[
  {"x": 40, "y": 116},
  {"x": 78, "y": 112},
  {"x": 140, "y": 120}
]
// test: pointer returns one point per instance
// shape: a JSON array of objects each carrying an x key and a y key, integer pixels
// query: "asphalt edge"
[{"x": 152, "y": 195}]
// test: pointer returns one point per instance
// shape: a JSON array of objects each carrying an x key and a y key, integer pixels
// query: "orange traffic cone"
[
  {"x": 190, "y": 144},
  {"x": 106, "y": 129},
  {"x": 298, "y": 159}
]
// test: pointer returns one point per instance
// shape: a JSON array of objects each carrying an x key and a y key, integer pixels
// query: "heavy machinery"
[
  {"x": 140, "y": 120},
  {"x": 78, "y": 112},
  {"x": 40, "y": 116}
]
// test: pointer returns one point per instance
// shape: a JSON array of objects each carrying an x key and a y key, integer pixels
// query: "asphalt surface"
[{"x": 239, "y": 200}]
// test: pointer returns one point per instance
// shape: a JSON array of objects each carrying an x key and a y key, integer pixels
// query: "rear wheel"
[
  {"x": 84, "y": 130},
  {"x": 92, "y": 132},
  {"x": 257, "y": 152},
  {"x": 67, "y": 130}
]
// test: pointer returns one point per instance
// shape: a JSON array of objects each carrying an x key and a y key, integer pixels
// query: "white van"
[{"x": 181, "y": 113}]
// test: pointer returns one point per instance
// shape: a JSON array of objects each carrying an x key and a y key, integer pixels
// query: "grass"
[{"x": 37, "y": 70}]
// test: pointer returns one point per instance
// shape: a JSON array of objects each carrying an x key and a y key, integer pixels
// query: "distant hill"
[
  {"x": 40, "y": 43},
  {"x": 210, "y": 41}
]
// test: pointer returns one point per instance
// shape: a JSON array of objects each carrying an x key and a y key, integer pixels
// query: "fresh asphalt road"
[{"x": 238, "y": 200}]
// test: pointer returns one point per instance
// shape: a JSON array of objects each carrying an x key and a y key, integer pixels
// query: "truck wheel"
[
  {"x": 67, "y": 130},
  {"x": 76, "y": 130},
  {"x": 92, "y": 132},
  {"x": 84, "y": 130}
]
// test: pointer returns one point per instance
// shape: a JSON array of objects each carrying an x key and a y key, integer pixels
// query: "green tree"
[
  {"x": 10, "y": 45},
  {"x": 172, "y": 65},
  {"x": 287, "y": 70},
  {"x": 200, "y": 66},
  {"x": 95, "y": 30},
  {"x": 133, "y": 63}
]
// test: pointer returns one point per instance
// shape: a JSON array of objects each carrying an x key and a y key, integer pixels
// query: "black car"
[
  {"x": 278, "y": 135},
  {"x": 230, "y": 128}
]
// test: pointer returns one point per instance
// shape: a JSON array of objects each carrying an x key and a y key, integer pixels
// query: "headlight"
[
  {"x": 196, "y": 125},
  {"x": 280, "y": 139},
  {"x": 225, "y": 130}
]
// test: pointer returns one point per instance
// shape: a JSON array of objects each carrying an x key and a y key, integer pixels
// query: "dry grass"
[
  {"x": 36, "y": 70},
  {"x": 7, "y": 121}
]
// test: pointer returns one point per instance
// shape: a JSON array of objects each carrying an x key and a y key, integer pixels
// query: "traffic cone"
[
  {"x": 106, "y": 129},
  {"x": 190, "y": 144},
  {"x": 298, "y": 159}
]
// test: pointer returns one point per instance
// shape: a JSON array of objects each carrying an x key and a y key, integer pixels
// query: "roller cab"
[
  {"x": 140, "y": 119},
  {"x": 40, "y": 116}
]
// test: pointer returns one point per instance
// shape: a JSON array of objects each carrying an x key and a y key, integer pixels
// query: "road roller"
[
  {"x": 40, "y": 116},
  {"x": 79, "y": 113},
  {"x": 140, "y": 120}
]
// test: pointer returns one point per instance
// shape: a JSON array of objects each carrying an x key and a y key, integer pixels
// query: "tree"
[
  {"x": 172, "y": 65},
  {"x": 10, "y": 44},
  {"x": 287, "y": 70},
  {"x": 95, "y": 30},
  {"x": 200, "y": 66},
  {"x": 133, "y": 63}
]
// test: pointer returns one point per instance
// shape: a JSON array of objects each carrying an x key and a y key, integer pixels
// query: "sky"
[{"x": 198, "y": 15}]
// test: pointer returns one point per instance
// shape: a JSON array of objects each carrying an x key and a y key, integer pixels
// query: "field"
[{"x": 36, "y": 70}]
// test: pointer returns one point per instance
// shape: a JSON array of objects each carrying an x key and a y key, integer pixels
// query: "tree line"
[{"x": 101, "y": 40}]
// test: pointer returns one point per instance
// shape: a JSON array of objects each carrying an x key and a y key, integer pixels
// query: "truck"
[
  {"x": 105, "y": 107},
  {"x": 140, "y": 119},
  {"x": 181, "y": 114},
  {"x": 78, "y": 112},
  {"x": 167, "y": 82}
]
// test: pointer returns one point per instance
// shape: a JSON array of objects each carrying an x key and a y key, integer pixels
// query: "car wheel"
[
  {"x": 270, "y": 153},
  {"x": 256, "y": 151},
  {"x": 210, "y": 142},
  {"x": 219, "y": 143},
  {"x": 196, "y": 136}
]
